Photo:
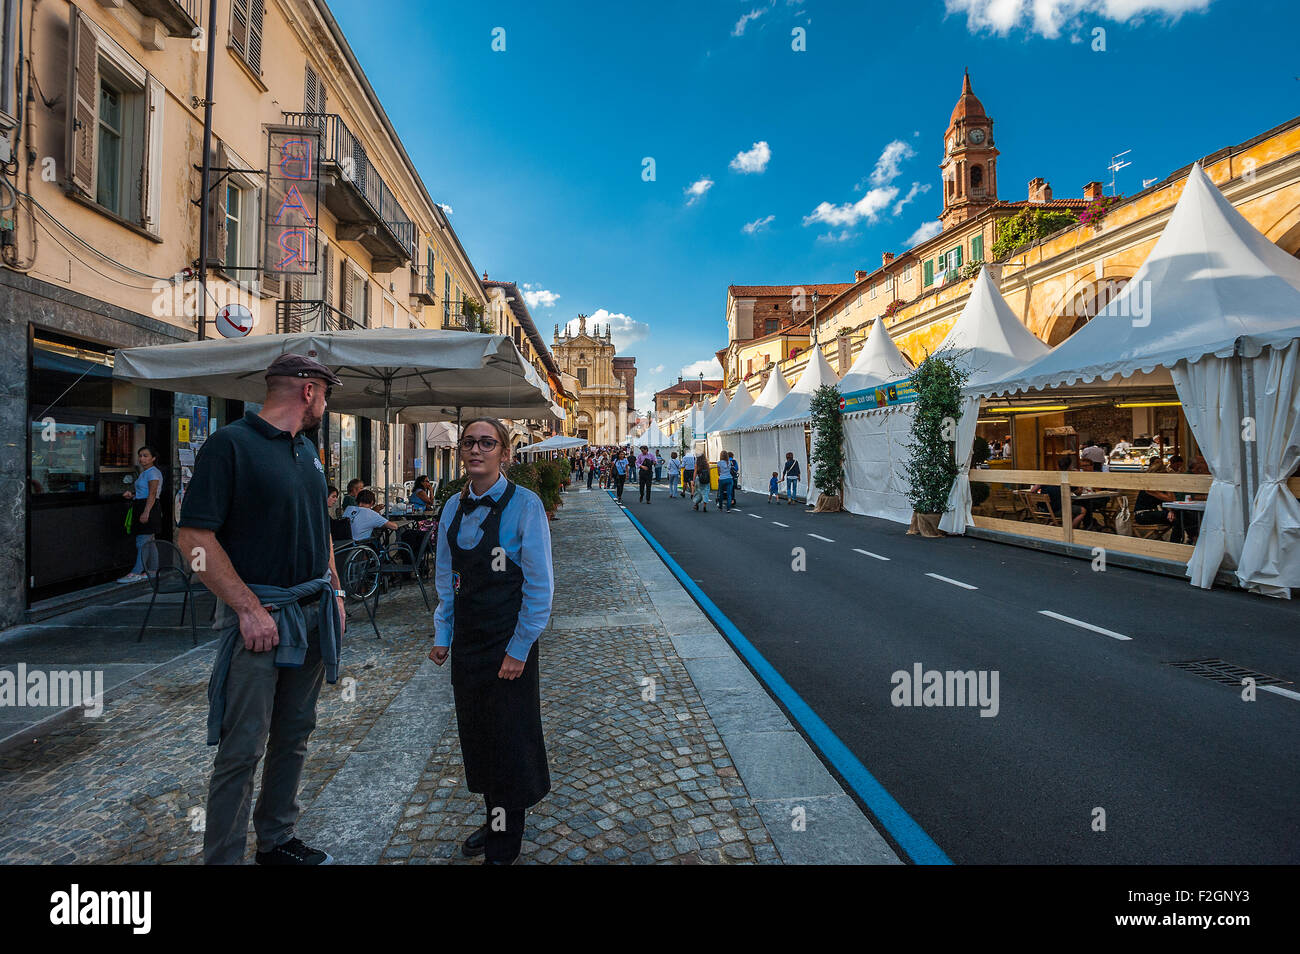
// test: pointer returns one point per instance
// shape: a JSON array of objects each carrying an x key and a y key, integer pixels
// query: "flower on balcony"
[
  {"x": 893, "y": 308},
  {"x": 1098, "y": 208}
]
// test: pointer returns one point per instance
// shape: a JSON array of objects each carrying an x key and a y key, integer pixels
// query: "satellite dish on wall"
[{"x": 235, "y": 321}]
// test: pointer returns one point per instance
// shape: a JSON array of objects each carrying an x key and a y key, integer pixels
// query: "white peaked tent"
[
  {"x": 754, "y": 446},
  {"x": 655, "y": 437},
  {"x": 989, "y": 341},
  {"x": 786, "y": 424},
  {"x": 1218, "y": 305},
  {"x": 879, "y": 362},
  {"x": 741, "y": 403},
  {"x": 717, "y": 410}
]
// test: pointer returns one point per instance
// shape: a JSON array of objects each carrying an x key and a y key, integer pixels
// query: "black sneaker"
[
  {"x": 294, "y": 852},
  {"x": 475, "y": 844}
]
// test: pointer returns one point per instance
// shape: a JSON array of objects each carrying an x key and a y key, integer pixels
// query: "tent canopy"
[
  {"x": 1212, "y": 281},
  {"x": 716, "y": 411},
  {"x": 795, "y": 406},
  {"x": 879, "y": 362},
  {"x": 988, "y": 338},
  {"x": 556, "y": 443},
  {"x": 773, "y": 393},
  {"x": 740, "y": 404},
  {"x": 382, "y": 369}
]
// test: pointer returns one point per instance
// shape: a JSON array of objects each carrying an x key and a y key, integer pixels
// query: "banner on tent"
[{"x": 896, "y": 392}]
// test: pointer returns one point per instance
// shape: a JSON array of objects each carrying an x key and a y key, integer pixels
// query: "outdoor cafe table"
[{"x": 1181, "y": 508}]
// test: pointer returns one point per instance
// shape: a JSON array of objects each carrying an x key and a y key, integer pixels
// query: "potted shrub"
[
  {"x": 932, "y": 467},
  {"x": 828, "y": 448}
]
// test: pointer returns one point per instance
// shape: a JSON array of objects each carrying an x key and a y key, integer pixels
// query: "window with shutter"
[
  {"x": 977, "y": 248},
  {"x": 957, "y": 258},
  {"x": 246, "y": 24},
  {"x": 83, "y": 102},
  {"x": 218, "y": 234},
  {"x": 927, "y": 272}
]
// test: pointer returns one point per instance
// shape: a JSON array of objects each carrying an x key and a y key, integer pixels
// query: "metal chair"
[
  {"x": 174, "y": 575},
  {"x": 358, "y": 564},
  {"x": 389, "y": 566}
]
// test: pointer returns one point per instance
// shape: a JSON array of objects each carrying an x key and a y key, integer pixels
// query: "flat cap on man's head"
[{"x": 301, "y": 366}]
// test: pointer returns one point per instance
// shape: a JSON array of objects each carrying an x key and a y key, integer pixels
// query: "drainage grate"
[{"x": 1226, "y": 673}]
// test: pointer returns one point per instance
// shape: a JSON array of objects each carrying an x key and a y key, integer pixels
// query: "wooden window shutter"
[
  {"x": 365, "y": 302},
  {"x": 83, "y": 102},
  {"x": 928, "y": 271},
  {"x": 958, "y": 260},
  {"x": 977, "y": 248},
  {"x": 327, "y": 275},
  {"x": 256, "y": 14},
  {"x": 309, "y": 97},
  {"x": 239, "y": 26},
  {"x": 217, "y": 233},
  {"x": 345, "y": 289},
  {"x": 272, "y": 285}
]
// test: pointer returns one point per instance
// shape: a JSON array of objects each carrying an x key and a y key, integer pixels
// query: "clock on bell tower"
[{"x": 970, "y": 182}]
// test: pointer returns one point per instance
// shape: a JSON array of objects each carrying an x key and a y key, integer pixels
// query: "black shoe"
[
  {"x": 475, "y": 844},
  {"x": 294, "y": 852}
]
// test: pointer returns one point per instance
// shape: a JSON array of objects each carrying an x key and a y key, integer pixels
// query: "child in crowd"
[{"x": 772, "y": 494}]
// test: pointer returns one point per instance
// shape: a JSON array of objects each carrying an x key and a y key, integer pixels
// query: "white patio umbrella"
[{"x": 382, "y": 369}]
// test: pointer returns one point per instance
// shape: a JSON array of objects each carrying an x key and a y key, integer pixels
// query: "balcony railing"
[
  {"x": 293, "y": 316},
  {"x": 179, "y": 17},
  {"x": 422, "y": 285},
  {"x": 358, "y": 195},
  {"x": 465, "y": 321}
]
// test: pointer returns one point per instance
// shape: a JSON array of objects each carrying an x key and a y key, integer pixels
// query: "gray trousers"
[{"x": 271, "y": 711}]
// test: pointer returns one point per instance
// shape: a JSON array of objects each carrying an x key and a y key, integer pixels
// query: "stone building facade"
[{"x": 603, "y": 399}]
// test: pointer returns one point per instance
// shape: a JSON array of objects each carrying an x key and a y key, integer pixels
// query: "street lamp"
[{"x": 815, "y": 298}]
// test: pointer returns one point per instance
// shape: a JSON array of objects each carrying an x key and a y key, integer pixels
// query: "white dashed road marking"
[
  {"x": 818, "y": 536},
  {"x": 756, "y": 516},
  {"x": 1082, "y": 625},
  {"x": 874, "y": 556},
  {"x": 1282, "y": 692},
  {"x": 780, "y": 524},
  {"x": 964, "y": 586}
]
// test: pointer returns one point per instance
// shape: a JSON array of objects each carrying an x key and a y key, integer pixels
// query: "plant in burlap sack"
[
  {"x": 932, "y": 466},
  {"x": 828, "y": 444}
]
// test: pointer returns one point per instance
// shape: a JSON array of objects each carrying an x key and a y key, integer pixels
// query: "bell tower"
[{"x": 970, "y": 180}]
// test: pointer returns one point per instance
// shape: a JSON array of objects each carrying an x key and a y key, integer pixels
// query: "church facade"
[{"x": 603, "y": 399}]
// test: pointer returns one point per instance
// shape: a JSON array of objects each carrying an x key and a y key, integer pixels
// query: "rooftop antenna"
[{"x": 1116, "y": 165}]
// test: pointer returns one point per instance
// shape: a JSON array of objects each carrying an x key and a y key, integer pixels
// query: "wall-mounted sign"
[
  {"x": 292, "y": 200},
  {"x": 884, "y": 395}
]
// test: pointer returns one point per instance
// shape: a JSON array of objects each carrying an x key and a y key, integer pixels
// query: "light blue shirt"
[
  {"x": 525, "y": 536},
  {"x": 142, "y": 482}
]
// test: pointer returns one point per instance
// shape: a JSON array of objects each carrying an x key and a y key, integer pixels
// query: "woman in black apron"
[{"x": 494, "y": 597}]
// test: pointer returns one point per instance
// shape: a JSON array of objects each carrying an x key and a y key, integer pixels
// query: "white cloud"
[
  {"x": 446, "y": 208},
  {"x": 696, "y": 190},
  {"x": 711, "y": 367},
  {"x": 917, "y": 189},
  {"x": 539, "y": 297},
  {"x": 749, "y": 228},
  {"x": 744, "y": 21},
  {"x": 657, "y": 369},
  {"x": 927, "y": 231},
  {"x": 843, "y": 236},
  {"x": 1048, "y": 17},
  {"x": 886, "y": 170},
  {"x": 875, "y": 200},
  {"x": 623, "y": 330},
  {"x": 754, "y": 159}
]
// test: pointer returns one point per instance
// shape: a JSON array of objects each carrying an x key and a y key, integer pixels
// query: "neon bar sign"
[{"x": 293, "y": 200}]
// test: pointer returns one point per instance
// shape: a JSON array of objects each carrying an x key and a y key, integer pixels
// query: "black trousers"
[
  {"x": 619, "y": 481},
  {"x": 591, "y": 474},
  {"x": 505, "y": 832},
  {"x": 643, "y": 488}
]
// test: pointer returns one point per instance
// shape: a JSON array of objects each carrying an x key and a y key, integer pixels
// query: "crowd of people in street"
[{"x": 689, "y": 474}]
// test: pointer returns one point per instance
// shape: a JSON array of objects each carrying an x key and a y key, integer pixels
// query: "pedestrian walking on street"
[
  {"x": 674, "y": 468},
  {"x": 146, "y": 515},
  {"x": 688, "y": 473},
  {"x": 488, "y": 618},
  {"x": 726, "y": 482},
  {"x": 659, "y": 466},
  {"x": 621, "y": 467},
  {"x": 645, "y": 469},
  {"x": 790, "y": 471},
  {"x": 735, "y": 478},
  {"x": 772, "y": 493},
  {"x": 255, "y": 509},
  {"x": 700, "y": 485},
  {"x": 591, "y": 471}
]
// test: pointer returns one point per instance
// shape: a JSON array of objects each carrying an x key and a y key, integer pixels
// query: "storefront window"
[{"x": 63, "y": 457}]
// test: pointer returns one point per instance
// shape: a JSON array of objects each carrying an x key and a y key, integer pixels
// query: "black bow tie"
[{"x": 469, "y": 503}]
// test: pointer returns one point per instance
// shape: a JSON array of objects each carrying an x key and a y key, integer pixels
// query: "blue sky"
[{"x": 539, "y": 150}]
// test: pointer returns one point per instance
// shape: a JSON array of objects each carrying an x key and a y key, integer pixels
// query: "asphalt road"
[{"x": 1186, "y": 771}]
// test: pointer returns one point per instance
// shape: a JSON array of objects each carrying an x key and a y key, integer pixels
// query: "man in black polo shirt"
[{"x": 255, "y": 525}]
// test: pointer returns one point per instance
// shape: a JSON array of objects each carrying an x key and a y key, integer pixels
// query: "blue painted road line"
[{"x": 907, "y": 834}]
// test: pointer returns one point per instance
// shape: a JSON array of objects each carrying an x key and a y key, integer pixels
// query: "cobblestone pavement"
[{"x": 639, "y": 771}]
